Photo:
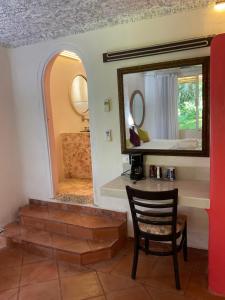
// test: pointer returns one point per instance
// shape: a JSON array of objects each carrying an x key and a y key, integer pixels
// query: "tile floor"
[
  {"x": 76, "y": 190},
  {"x": 24, "y": 276}
]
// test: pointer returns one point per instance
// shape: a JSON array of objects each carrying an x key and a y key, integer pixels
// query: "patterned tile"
[
  {"x": 76, "y": 151},
  {"x": 76, "y": 190}
]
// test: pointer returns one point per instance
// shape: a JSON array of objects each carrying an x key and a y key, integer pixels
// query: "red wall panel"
[{"x": 217, "y": 167}]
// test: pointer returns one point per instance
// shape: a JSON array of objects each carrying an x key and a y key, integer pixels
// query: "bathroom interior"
[{"x": 66, "y": 101}]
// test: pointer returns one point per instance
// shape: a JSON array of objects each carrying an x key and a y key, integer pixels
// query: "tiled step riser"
[
  {"x": 74, "y": 231},
  {"x": 66, "y": 256},
  {"x": 89, "y": 210}
]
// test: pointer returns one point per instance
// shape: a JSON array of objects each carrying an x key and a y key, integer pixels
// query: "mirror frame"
[
  {"x": 205, "y": 62},
  {"x": 71, "y": 102},
  {"x": 137, "y": 92}
]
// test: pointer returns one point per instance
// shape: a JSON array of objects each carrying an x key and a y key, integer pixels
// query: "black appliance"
[{"x": 137, "y": 169}]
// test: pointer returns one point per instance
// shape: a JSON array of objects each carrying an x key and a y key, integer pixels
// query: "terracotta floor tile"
[
  {"x": 9, "y": 294},
  {"x": 112, "y": 282},
  {"x": 39, "y": 272},
  {"x": 145, "y": 265},
  {"x": 56, "y": 227},
  {"x": 95, "y": 256},
  {"x": 40, "y": 291},
  {"x": 96, "y": 245},
  {"x": 85, "y": 285},
  {"x": 66, "y": 269},
  {"x": 84, "y": 220},
  {"x": 70, "y": 244},
  {"x": 29, "y": 258},
  {"x": 61, "y": 216},
  {"x": 198, "y": 259},
  {"x": 10, "y": 257},
  {"x": 80, "y": 232},
  {"x": 137, "y": 293},
  {"x": 162, "y": 274},
  {"x": 9, "y": 278},
  {"x": 37, "y": 211},
  {"x": 107, "y": 266},
  {"x": 69, "y": 257},
  {"x": 33, "y": 222},
  {"x": 12, "y": 229},
  {"x": 2, "y": 242},
  {"x": 98, "y": 298},
  {"x": 36, "y": 236},
  {"x": 37, "y": 249},
  {"x": 159, "y": 294},
  {"x": 198, "y": 287}
]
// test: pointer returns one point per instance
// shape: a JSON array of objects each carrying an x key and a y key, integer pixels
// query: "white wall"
[
  {"x": 10, "y": 180},
  {"x": 28, "y": 63}
]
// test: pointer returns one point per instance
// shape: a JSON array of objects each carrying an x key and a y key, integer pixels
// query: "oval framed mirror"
[
  {"x": 79, "y": 95},
  {"x": 137, "y": 108}
]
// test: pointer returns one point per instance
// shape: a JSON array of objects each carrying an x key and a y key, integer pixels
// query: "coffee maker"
[{"x": 137, "y": 169}]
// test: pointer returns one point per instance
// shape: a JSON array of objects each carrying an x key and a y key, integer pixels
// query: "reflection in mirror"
[
  {"x": 170, "y": 108},
  {"x": 79, "y": 95},
  {"x": 137, "y": 108}
]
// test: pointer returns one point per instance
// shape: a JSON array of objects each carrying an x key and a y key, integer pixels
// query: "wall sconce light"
[{"x": 220, "y": 5}]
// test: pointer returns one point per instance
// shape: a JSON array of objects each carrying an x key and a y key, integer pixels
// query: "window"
[{"x": 190, "y": 102}]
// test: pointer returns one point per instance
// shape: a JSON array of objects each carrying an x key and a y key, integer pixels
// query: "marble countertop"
[{"x": 192, "y": 193}]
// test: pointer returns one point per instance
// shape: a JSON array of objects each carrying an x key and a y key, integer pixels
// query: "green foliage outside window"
[{"x": 189, "y": 116}]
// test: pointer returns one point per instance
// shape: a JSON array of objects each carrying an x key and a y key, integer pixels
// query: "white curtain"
[{"x": 161, "y": 94}]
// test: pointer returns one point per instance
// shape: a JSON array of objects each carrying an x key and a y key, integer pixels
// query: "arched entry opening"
[{"x": 66, "y": 105}]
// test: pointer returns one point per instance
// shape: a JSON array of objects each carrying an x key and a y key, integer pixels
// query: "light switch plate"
[
  {"x": 108, "y": 135},
  {"x": 107, "y": 105}
]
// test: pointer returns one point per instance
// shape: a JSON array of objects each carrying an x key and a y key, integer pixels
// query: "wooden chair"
[{"x": 155, "y": 218}]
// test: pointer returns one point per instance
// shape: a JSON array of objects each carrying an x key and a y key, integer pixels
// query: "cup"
[
  {"x": 158, "y": 172},
  {"x": 171, "y": 174},
  {"x": 152, "y": 171}
]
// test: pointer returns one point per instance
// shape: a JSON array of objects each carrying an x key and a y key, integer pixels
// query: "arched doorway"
[{"x": 67, "y": 115}]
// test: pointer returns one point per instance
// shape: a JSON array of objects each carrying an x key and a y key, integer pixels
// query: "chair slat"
[
  {"x": 162, "y": 195},
  {"x": 147, "y": 205},
  {"x": 154, "y": 214},
  {"x": 154, "y": 222}
]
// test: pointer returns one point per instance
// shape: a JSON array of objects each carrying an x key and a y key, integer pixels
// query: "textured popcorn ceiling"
[{"x": 24, "y": 22}]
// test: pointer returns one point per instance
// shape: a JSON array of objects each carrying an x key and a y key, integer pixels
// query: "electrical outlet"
[{"x": 125, "y": 159}]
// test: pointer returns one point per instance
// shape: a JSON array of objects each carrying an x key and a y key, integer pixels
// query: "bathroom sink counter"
[{"x": 192, "y": 193}]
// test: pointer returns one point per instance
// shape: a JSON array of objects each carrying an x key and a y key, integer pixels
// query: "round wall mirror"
[
  {"x": 137, "y": 108},
  {"x": 79, "y": 95}
]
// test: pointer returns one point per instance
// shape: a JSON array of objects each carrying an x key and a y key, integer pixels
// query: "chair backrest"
[{"x": 155, "y": 208}]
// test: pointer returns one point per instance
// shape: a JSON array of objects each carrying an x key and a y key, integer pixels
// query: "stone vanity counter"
[{"x": 192, "y": 193}]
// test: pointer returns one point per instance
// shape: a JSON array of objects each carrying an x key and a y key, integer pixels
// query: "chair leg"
[
  {"x": 185, "y": 249},
  {"x": 135, "y": 260},
  {"x": 176, "y": 267}
]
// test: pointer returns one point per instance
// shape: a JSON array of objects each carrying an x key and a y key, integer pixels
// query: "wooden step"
[
  {"x": 61, "y": 247},
  {"x": 74, "y": 224}
]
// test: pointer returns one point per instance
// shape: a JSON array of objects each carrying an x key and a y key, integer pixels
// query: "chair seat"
[{"x": 163, "y": 229}]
